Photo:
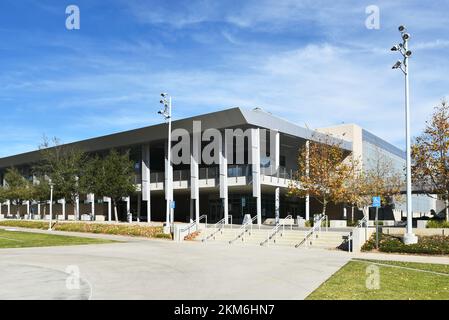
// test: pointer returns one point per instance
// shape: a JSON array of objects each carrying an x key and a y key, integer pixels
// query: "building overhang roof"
[{"x": 228, "y": 118}]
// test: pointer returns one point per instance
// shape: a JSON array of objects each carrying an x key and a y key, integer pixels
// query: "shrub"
[
  {"x": 434, "y": 245},
  {"x": 115, "y": 229},
  {"x": 352, "y": 223},
  {"x": 437, "y": 224},
  {"x": 25, "y": 224}
]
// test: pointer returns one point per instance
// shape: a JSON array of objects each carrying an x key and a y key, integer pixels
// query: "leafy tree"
[
  {"x": 380, "y": 179},
  {"x": 2, "y": 195},
  {"x": 333, "y": 176},
  {"x": 65, "y": 166},
  {"x": 430, "y": 154},
  {"x": 356, "y": 188},
  {"x": 41, "y": 191},
  {"x": 383, "y": 180},
  {"x": 323, "y": 171},
  {"x": 18, "y": 189},
  {"x": 111, "y": 177}
]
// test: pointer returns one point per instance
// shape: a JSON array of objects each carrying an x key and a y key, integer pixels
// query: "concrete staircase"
[{"x": 323, "y": 239}]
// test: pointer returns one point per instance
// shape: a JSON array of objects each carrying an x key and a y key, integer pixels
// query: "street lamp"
[
  {"x": 402, "y": 48},
  {"x": 166, "y": 113},
  {"x": 51, "y": 204}
]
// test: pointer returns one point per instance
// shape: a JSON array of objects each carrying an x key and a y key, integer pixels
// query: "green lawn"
[
  {"x": 15, "y": 239},
  {"x": 424, "y": 282}
]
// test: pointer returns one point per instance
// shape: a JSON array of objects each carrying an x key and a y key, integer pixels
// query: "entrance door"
[{"x": 215, "y": 211}]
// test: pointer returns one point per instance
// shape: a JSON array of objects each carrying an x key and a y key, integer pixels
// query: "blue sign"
[
  {"x": 376, "y": 202},
  {"x": 173, "y": 204}
]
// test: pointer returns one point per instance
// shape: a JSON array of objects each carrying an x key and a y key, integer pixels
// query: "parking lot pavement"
[{"x": 165, "y": 270}]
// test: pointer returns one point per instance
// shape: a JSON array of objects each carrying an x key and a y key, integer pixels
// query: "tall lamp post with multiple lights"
[
  {"x": 166, "y": 113},
  {"x": 402, "y": 48}
]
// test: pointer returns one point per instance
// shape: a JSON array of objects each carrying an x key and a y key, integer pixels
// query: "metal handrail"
[
  {"x": 363, "y": 221},
  {"x": 243, "y": 229},
  {"x": 204, "y": 216},
  {"x": 191, "y": 224},
  {"x": 315, "y": 228},
  {"x": 276, "y": 230},
  {"x": 219, "y": 226}
]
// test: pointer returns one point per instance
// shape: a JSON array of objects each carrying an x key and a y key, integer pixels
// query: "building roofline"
[{"x": 227, "y": 118}]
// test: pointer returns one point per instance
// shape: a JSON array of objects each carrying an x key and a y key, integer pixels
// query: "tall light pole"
[
  {"x": 51, "y": 204},
  {"x": 402, "y": 48},
  {"x": 166, "y": 113}
]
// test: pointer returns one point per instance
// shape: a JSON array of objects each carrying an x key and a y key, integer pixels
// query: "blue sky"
[{"x": 313, "y": 62}]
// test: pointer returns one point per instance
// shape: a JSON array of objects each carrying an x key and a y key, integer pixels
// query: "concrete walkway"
[
  {"x": 402, "y": 257},
  {"x": 142, "y": 268},
  {"x": 158, "y": 269}
]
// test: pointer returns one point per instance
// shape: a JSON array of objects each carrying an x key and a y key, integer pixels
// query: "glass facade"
[{"x": 377, "y": 151}]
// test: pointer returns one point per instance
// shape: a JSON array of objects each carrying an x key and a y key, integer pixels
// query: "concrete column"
[
  {"x": 255, "y": 158},
  {"x": 92, "y": 205},
  {"x": 275, "y": 147},
  {"x": 139, "y": 206},
  {"x": 224, "y": 178},
  {"x": 109, "y": 202},
  {"x": 28, "y": 209},
  {"x": 77, "y": 208},
  {"x": 9, "y": 207},
  {"x": 277, "y": 204},
  {"x": 194, "y": 168},
  {"x": 63, "y": 203},
  {"x": 128, "y": 209},
  {"x": 307, "y": 202},
  {"x": 110, "y": 209},
  {"x": 39, "y": 209},
  {"x": 146, "y": 179}
]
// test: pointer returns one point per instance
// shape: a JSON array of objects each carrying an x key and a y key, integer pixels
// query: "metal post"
[
  {"x": 169, "y": 168},
  {"x": 409, "y": 237},
  {"x": 377, "y": 228},
  {"x": 166, "y": 113},
  {"x": 307, "y": 204},
  {"x": 51, "y": 206}
]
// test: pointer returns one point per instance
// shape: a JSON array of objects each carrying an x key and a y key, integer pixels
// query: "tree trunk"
[
  {"x": 447, "y": 209},
  {"x": 115, "y": 212},
  {"x": 18, "y": 211},
  {"x": 324, "y": 206},
  {"x": 352, "y": 214},
  {"x": 75, "y": 211},
  {"x": 446, "y": 202}
]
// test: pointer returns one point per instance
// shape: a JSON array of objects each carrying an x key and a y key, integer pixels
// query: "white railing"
[
  {"x": 219, "y": 226},
  {"x": 192, "y": 226},
  {"x": 244, "y": 228},
  {"x": 274, "y": 232},
  {"x": 362, "y": 223},
  {"x": 312, "y": 232}
]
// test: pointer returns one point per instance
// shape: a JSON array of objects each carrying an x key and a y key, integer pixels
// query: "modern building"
[{"x": 254, "y": 155}]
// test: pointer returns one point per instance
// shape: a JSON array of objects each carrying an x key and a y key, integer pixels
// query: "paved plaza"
[{"x": 160, "y": 269}]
